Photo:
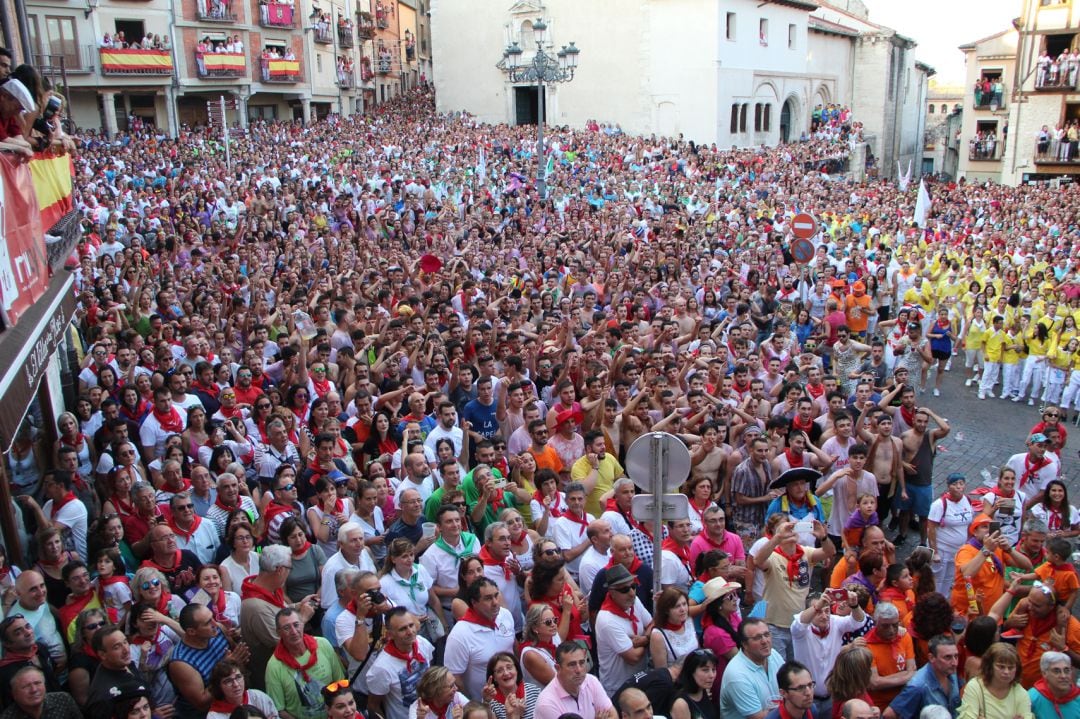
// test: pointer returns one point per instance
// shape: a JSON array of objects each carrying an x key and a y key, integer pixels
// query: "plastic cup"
[{"x": 429, "y": 529}]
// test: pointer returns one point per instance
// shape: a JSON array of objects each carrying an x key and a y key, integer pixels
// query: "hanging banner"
[
  {"x": 279, "y": 14},
  {"x": 144, "y": 62},
  {"x": 24, "y": 270},
  {"x": 283, "y": 68},
  {"x": 52, "y": 184},
  {"x": 224, "y": 61}
]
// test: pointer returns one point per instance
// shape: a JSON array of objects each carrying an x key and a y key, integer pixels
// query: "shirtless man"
[
  {"x": 884, "y": 462},
  {"x": 918, "y": 460},
  {"x": 755, "y": 402}
]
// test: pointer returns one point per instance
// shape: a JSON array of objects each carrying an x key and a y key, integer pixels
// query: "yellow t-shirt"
[{"x": 994, "y": 345}]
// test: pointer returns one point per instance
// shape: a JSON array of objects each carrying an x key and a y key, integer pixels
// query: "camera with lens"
[
  {"x": 48, "y": 112},
  {"x": 376, "y": 596}
]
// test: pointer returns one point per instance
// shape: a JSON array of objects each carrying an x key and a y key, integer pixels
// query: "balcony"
[
  {"x": 216, "y": 12},
  {"x": 277, "y": 70},
  {"x": 410, "y": 53},
  {"x": 346, "y": 79},
  {"x": 322, "y": 34},
  {"x": 345, "y": 36},
  {"x": 1054, "y": 152},
  {"x": 984, "y": 150},
  {"x": 220, "y": 64},
  {"x": 383, "y": 66},
  {"x": 366, "y": 74},
  {"x": 1053, "y": 82},
  {"x": 276, "y": 15},
  {"x": 365, "y": 26},
  {"x": 382, "y": 21},
  {"x": 993, "y": 100},
  {"x": 135, "y": 62}
]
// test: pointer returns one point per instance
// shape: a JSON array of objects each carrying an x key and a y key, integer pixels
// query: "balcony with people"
[
  {"x": 984, "y": 147},
  {"x": 989, "y": 93},
  {"x": 1058, "y": 65},
  {"x": 217, "y": 11},
  {"x": 365, "y": 26},
  {"x": 1058, "y": 146},
  {"x": 151, "y": 55},
  {"x": 320, "y": 29},
  {"x": 346, "y": 31},
  {"x": 346, "y": 77},
  {"x": 220, "y": 58},
  {"x": 279, "y": 65}
]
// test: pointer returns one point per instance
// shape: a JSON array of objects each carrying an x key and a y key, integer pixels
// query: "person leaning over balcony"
[{"x": 15, "y": 99}]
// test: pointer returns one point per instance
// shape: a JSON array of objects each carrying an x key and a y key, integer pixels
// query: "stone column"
[
  {"x": 306, "y": 105},
  {"x": 108, "y": 105}
]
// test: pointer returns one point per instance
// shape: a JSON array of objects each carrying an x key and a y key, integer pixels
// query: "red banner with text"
[{"x": 24, "y": 270}]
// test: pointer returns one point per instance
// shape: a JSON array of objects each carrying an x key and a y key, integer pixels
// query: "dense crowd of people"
[{"x": 353, "y": 416}]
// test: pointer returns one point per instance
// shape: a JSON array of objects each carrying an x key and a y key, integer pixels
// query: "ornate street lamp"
[{"x": 543, "y": 69}]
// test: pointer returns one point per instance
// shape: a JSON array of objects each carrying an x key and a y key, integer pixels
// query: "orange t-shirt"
[
  {"x": 839, "y": 573},
  {"x": 988, "y": 580},
  {"x": 1032, "y": 648},
  {"x": 547, "y": 459},
  {"x": 857, "y": 321},
  {"x": 889, "y": 658},
  {"x": 1064, "y": 581}
]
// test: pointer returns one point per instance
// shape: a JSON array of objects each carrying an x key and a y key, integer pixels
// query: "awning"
[{"x": 25, "y": 350}]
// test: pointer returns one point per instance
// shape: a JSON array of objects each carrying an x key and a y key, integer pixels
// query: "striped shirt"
[
  {"x": 203, "y": 660},
  {"x": 532, "y": 693}
]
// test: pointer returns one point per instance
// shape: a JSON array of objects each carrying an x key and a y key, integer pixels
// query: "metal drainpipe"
[
  {"x": 5, "y": 25},
  {"x": 24, "y": 32}
]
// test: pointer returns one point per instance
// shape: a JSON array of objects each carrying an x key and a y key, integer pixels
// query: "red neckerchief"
[
  {"x": 612, "y": 506},
  {"x": 815, "y": 392},
  {"x": 683, "y": 553},
  {"x": 187, "y": 535},
  {"x": 163, "y": 601},
  {"x": 794, "y": 460},
  {"x": 108, "y": 581},
  {"x": 79, "y": 482},
  {"x": 700, "y": 511},
  {"x": 785, "y": 714},
  {"x": 231, "y": 412},
  {"x": 872, "y": 637},
  {"x": 161, "y": 567},
  {"x": 892, "y": 594},
  {"x": 519, "y": 693},
  {"x": 220, "y": 705},
  {"x": 307, "y": 546},
  {"x": 792, "y": 562},
  {"x": 321, "y": 386},
  {"x": 554, "y": 510},
  {"x": 797, "y": 423},
  {"x": 1053, "y": 519},
  {"x": 610, "y": 606},
  {"x": 211, "y": 389},
  {"x": 310, "y": 645},
  {"x": 300, "y": 413},
  {"x": 908, "y": 414},
  {"x": 218, "y": 606},
  {"x": 490, "y": 561},
  {"x": 1002, "y": 493},
  {"x": 634, "y": 565},
  {"x": 227, "y": 508},
  {"x": 1030, "y": 470},
  {"x": 582, "y": 522},
  {"x": 1066, "y": 567},
  {"x": 674, "y": 627},
  {"x": 79, "y": 439},
  {"x": 473, "y": 618},
  {"x": 413, "y": 655},
  {"x": 57, "y": 506},
  {"x": 1043, "y": 688},
  {"x": 1038, "y": 628},
  {"x": 819, "y": 632},
  {"x": 123, "y": 507},
  {"x": 11, "y": 657},
  {"x": 170, "y": 421},
  {"x": 548, "y": 646},
  {"x": 250, "y": 590},
  {"x": 272, "y": 511}
]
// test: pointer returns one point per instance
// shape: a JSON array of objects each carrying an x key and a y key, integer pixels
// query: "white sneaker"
[
  {"x": 967, "y": 382},
  {"x": 982, "y": 395},
  {"x": 936, "y": 392},
  {"x": 1031, "y": 402},
  {"x": 948, "y": 365},
  {"x": 1017, "y": 398},
  {"x": 1004, "y": 395}
]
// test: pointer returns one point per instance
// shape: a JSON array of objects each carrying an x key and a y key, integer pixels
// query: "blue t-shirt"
[
  {"x": 748, "y": 688},
  {"x": 924, "y": 690},
  {"x": 483, "y": 418},
  {"x": 1043, "y": 708}
]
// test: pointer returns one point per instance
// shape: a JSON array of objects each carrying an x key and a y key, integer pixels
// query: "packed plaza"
[{"x": 352, "y": 416}]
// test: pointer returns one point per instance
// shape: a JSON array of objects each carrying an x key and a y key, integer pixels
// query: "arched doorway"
[{"x": 787, "y": 113}]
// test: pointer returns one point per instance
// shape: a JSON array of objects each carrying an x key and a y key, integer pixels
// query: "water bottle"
[
  {"x": 973, "y": 602},
  {"x": 304, "y": 325}
]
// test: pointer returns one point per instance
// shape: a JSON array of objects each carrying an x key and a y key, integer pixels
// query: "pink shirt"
[
  {"x": 554, "y": 701},
  {"x": 731, "y": 544}
]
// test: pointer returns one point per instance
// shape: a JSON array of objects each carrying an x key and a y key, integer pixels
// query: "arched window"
[{"x": 931, "y": 110}]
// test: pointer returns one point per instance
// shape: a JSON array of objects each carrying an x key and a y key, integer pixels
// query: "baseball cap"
[
  {"x": 1037, "y": 438},
  {"x": 16, "y": 89}
]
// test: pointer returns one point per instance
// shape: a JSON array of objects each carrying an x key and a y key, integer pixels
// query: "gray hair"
[
  {"x": 276, "y": 556},
  {"x": 140, "y": 487},
  {"x": 1034, "y": 525},
  {"x": 359, "y": 576},
  {"x": 171, "y": 464},
  {"x": 935, "y": 711},
  {"x": 344, "y": 579},
  {"x": 179, "y": 495},
  {"x": 622, "y": 482},
  {"x": 883, "y": 610},
  {"x": 489, "y": 532},
  {"x": 225, "y": 474},
  {"x": 234, "y": 468},
  {"x": 346, "y": 529},
  {"x": 576, "y": 487},
  {"x": 1049, "y": 659}
]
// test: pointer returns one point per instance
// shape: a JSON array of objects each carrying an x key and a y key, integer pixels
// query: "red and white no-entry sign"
[{"x": 804, "y": 226}]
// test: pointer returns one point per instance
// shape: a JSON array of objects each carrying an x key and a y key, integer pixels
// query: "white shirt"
[
  {"x": 1040, "y": 512},
  {"x": 454, "y": 434},
  {"x": 152, "y": 435},
  {"x": 443, "y": 566},
  {"x": 387, "y": 677},
  {"x": 613, "y": 637},
  {"x": 411, "y": 593},
  {"x": 952, "y": 519},
  {"x": 819, "y": 653},
  {"x": 72, "y": 515},
  {"x": 673, "y": 571},
  {"x": 567, "y": 534},
  {"x": 1037, "y": 483},
  {"x": 425, "y": 489},
  {"x": 510, "y": 592},
  {"x": 203, "y": 542},
  {"x": 592, "y": 562},
  {"x": 1010, "y": 523},
  {"x": 337, "y": 562},
  {"x": 469, "y": 646}
]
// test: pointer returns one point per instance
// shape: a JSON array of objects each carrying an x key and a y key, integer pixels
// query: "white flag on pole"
[
  {"x": 481, "y": 168},
  {"x": 922, "y": 205},
  {"x": 903, "y": 180}
]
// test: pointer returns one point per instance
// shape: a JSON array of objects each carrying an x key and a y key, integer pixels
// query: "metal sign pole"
[
  {"x": 656, "y": 446},
  {"x": 225, "y": 132}
]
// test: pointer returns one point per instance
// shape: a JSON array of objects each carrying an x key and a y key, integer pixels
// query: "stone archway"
[{"x": 788, "y": 119}]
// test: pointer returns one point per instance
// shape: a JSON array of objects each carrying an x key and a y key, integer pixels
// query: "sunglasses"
[
  {"x": 337, "y": 686},
  {"x": 551, "y": 552},
  {"x": 624, "y": 590},
  {"x": 93, "y": 627},
  {"x": 287, "y": 488},
  {"x": 151, "y": 583}
]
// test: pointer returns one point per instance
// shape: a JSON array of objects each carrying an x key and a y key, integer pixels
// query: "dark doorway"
[
  {"x": 785, "y": 121},
  {"x": 526, "y": 100}
]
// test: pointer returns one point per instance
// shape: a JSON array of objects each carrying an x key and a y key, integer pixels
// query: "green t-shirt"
[
  {"x": 472, "y": 496},
  {"x": 291, "y": 693}
]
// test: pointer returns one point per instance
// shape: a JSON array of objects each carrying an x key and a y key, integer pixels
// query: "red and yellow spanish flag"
[
  {"x": 219, "y": 61},
  {"x": 284, "y": 68},
  {"x": 116, "y": 60},
  {"x": 52, "y": 183}
]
